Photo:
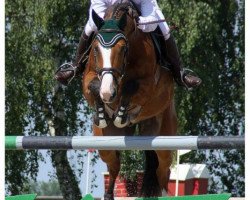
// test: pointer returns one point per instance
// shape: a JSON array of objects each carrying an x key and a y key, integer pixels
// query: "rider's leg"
[
  {"x": 63, "y": 76},
  {"x": 173, "y": 57},
  {"x": 181, "y": 76}
]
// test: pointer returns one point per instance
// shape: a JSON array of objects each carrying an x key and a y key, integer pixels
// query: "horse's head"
[{"x": 110, "y": 49}]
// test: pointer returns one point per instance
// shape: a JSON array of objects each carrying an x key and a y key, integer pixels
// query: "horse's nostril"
[
  {"x": 113, "y": 95},
  {"x": 105, "y": 101}
]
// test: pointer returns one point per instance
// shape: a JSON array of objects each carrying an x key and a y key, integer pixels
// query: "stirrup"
[
  {"x": 184, "y": 72},
  {"x": 68, "y": 67}
]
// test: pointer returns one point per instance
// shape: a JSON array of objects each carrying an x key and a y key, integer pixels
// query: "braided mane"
[{"x": 116, "y": 10}]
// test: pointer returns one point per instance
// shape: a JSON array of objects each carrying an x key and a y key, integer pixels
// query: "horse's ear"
[
  {"x": 122, "y": 21},
  {"x": 97, "y": 20}
]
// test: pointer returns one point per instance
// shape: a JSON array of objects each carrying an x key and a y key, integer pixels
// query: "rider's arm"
[
  {"x": 99, "y": 6},
  {"x": 148, "y": 14},
  {"x": 163, "y": 25},
  {"x": 150, "y": 11}
]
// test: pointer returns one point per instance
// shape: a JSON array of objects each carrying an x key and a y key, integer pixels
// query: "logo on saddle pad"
[{"x": 110, "y": 33}]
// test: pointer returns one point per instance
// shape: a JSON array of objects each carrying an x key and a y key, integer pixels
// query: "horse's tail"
[{"x": 150, "y": 184}]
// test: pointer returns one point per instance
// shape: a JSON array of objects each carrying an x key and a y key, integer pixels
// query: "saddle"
[
  {"x": 160, "y": 48},
  {"x": 159, "y": 42}
]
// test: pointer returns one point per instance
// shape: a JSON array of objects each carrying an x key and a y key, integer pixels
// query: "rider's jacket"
[{"x": 150, "y": 11}]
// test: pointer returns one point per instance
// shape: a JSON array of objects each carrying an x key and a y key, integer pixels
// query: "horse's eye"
[{"x": 123, "y": 49}]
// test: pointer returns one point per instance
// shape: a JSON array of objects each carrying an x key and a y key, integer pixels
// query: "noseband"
[{"x": 114, "y": 36}]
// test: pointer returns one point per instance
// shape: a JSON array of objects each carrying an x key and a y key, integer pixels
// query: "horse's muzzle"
[
  {"x": 108, "y": 97},
  {"x": 108, "y": 90}
]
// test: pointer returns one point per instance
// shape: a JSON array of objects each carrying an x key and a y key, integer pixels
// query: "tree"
[
  {"x": 41, "y": 35},
  {"x": 211, "y": 40}
]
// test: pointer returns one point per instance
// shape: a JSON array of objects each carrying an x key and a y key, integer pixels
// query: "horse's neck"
[
  {"x": 142, "y": 58},
  {"x": 139, "y": 45}
]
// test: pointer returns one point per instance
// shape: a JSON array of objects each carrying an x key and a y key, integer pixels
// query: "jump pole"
[{"x": 124, "y": 142}]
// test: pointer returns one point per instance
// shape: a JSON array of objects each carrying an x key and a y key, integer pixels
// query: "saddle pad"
[{"x": 160, "y": 48}]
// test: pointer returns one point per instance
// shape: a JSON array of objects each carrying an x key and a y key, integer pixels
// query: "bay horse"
[{"x": 126, "y": 86}]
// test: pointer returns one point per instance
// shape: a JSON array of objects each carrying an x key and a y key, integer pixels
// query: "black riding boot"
[
  {"x": 67, "y": 72},
  {"x": 181, "y": 76}
]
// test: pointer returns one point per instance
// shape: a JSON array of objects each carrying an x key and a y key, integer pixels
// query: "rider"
[{"x": 150, "y": 11}]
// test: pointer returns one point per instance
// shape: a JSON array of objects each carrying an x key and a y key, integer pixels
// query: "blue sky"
[{"x": 46, "y": 167}]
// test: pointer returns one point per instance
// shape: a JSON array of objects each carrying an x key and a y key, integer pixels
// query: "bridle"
[{"x": 118, "y": 72}]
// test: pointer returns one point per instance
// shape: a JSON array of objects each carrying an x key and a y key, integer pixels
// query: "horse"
[{"x": 127, "y": 87}]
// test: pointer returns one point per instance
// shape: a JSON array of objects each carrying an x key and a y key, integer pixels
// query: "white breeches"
[{"x": 150, "y": 11}]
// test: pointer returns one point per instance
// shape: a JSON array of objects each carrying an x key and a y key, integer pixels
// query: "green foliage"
[
  {"x": 40, "y": 35},
  {"x": 131, "y": 162},
  {"x": 211, "y": 41}
]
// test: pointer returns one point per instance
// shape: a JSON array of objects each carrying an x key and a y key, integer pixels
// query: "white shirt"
[{"x": 150, "y": 11}]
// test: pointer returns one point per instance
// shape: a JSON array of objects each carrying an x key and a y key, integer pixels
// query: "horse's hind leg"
[
  {"x": 150, "y": 184},
  {"x": 158, "y": 163},
  {"x": 168, "y": 128},
  {"x": 163, "y": 171},
  {"x": 111, "y": 158}
]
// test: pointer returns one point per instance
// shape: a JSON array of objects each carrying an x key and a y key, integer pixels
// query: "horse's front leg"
[
  {"x": 121, "y": 117},
  {"x": 112, "y": 157},
  {"x": 101, "y": 118}
]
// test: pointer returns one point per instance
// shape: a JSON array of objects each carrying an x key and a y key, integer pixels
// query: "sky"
[{"x": 101, "y": 166}]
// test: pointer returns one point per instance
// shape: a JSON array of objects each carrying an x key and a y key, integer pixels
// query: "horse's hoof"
[
  {"x": 108, "y": 196},
  {"x": 121, "y": 119},
  {"x": 118, "y": 122},
  {"x": 100, "y": 118},
  {"x": 101, "y": 123}
]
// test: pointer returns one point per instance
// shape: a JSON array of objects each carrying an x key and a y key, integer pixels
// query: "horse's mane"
[{"x": 123, "y": 5}]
